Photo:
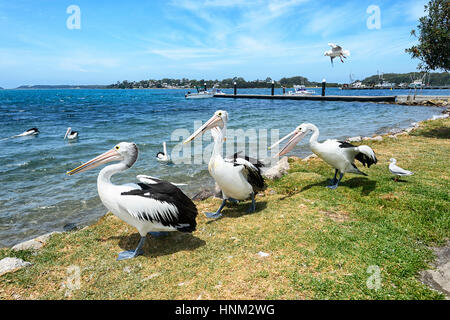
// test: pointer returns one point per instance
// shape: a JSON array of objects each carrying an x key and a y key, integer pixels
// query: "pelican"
[
  {"x": 152, "y": 205},
  {"x": 237, "y": 177},
  {"x": 338, "y": 154},
  {"x": 163, "y": 156},
  {"x": 397, "y": 171},
  {"x": 336, "y": 51},
  {"x": 29, "y": 132},
  {"x": 71, "y": 135}
]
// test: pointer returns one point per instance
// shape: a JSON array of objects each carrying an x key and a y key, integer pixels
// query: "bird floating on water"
[
  {"x": 397, "y": 171},
  {"x": 153, "y": 205},
  {"x": 338, "y": 154},
  {"x": 238, "y": 178},
  {"x": 163, "y": 156},
  {"x": 29, "y": 132},
  {"x": 336, "y": 51},
  {"x": 71, "y": 135}
]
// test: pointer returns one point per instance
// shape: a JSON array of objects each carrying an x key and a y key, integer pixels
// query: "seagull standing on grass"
[
  {"x": 397, "y": 171},
  {"x": 336, "y": 51}
]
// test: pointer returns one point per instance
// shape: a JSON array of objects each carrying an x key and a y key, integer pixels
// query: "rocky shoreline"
[{"x": 438, "y": 278}]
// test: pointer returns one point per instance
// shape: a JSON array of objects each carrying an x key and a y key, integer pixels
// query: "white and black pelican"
[
  {"x": 71, "y": 135},
  {"x": 238, "y": 178},
  {"x": 338, "y": 154},
  {"x": 29, "y": 132},
  {"x": 152, "y": 205},
  {"x": 336, "y": 51},
  {"x": 163, "y": 156},
  {"x": 397, "y": 171}
]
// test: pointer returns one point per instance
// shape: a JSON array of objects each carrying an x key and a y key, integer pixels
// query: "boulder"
[
  {"x": 203, "y": 195},
  {"x": 439, "y": 277},
  {"x": 278, "y": 170},
  {"x": 311, "y": 156},
  {"x": 34, "y": 244},
  {"x": 9, "y": 264},
  {"x": 354, "y": 139},
  {"x": 377, "y": 138}
]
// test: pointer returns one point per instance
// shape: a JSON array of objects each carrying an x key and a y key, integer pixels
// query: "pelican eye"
[
  {"x": 117, "y": 148},
  {"x": 219, "y": 114}
]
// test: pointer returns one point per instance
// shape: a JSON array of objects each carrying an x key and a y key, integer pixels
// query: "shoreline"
[
  {"x": 391, "y": 133},
  {"x": 300, "y": 232}
]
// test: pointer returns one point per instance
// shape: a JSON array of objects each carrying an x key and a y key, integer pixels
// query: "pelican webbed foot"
[
  {"x": 132, "y": 254},
  {"x": 217, "y": 214},
  {"x": 335, "y": 183}
]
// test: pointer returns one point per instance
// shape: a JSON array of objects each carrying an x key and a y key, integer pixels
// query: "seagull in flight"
[{"x": 336, "y": 51}]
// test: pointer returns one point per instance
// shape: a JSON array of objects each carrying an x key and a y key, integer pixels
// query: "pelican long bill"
[
  {"x": 106, "y": 157},
  {"x": 214, "y": 121},
  {"x": 296, "y": 137}
]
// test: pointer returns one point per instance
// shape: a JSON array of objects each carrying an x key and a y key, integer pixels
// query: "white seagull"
[
  {"x": 29, "y": 132},
  {"x": 338, "y": 154},
  {"x": 238, "y": 178},
  {"x": 71, "y": 135},
  {"x": 397, "y": 171},
  {"x": 336, "y": 51},
  {"x": 150, "y": 206},
  {"x": 163, "y": 156}
]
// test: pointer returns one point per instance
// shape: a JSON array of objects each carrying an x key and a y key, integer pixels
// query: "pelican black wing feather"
[
  {"x": 258, "y": 164},
  {"x": 166, "y": 192},
  {"x": 361, "y": 157},
  {"x": 252, "y": 171}
]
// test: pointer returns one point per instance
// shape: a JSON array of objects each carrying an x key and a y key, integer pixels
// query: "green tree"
[{"x": 434, "y": 39}]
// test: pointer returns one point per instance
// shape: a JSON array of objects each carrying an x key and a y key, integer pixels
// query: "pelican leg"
[
  {"x": 130, "y": 253},
  {"x": 159, "y": 234},
  {"x": 233, "y": 200},
  {"x": 333, "y": 182},
  {"x": 253, "y": 205},
  {"x": 337, "y": 182},
  {"x": 217, "y": 214}
]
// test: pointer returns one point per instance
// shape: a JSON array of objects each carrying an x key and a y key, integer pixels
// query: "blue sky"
[{"x": 210, "y": 39}]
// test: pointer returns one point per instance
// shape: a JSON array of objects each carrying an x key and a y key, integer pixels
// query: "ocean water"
[{"x": 37, "y": 196}]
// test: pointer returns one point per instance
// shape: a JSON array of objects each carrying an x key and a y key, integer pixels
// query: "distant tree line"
[
  {"x": 432, "y": 79},
  {"x": 225, "y": 83}
]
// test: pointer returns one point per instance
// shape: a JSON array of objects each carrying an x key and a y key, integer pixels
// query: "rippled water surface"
[{"x": 37, "y": 196}]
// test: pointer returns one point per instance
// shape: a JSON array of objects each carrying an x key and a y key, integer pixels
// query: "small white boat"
[
  {"x": 416, "y": 84},
  {"x": 300, "y": 90},
  {"x": 200, "y": 94}
]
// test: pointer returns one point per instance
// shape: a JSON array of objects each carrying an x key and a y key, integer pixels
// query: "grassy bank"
[{"x": 321, "y": 242}]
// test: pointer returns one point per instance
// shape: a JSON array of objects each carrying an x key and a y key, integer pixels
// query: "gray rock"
[
  {"x": 203, "y": 195},
  {"x": 377, "y": 138},
  {"x": 9, "y": 264},
  {"x": 278, "y": 170},
  {"x": 354, "y": 139},
  {"x": 70, "y": 227},
  {"x": 312, "y": 155},
  {"x": 34, "y": 244},
  {"x": 439, "y": 278},
  {"x": 395, "y": 131}
]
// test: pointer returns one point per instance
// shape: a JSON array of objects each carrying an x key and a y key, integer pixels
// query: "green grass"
[{"x": 321, "y": 242}]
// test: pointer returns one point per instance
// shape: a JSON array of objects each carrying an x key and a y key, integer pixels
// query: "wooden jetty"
[{"x": 309, "y": 97}]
